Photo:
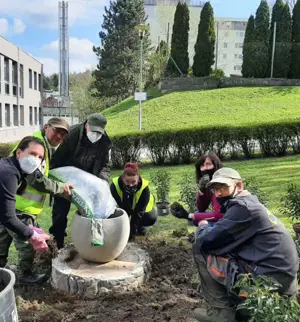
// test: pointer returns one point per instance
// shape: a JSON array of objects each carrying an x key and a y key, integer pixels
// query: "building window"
[
  {"x": 21, "y": 81},
  {"x": 22, "y": 119},
  {"x": 7, "y": 115},
  {"x": 0, "y": 115},
  {"x": 30, "y": 115},
  {"x": 35, "y": 116},
  {"x": 225, "y": 44},
  {"x": 40, "y": 82},
  {"x": 224, "y": 56},
  {"x": 16, "y": 115},
  {"x": 6, "y": 69},
  {"x": 226, "y": 34},
  {"x": 237, "y": 67},
  {"x": 7, "y": 89},
  {"x": 14, "y": 72},
  {"x": 30, "y": 78},
  {"x": 14, "y": 90},
  {"x": 241, "y": 57},
  {"x": 242, "y": 34},
  {"x": 238, "y": 25},
  {"x": 40, "y": 116},
  {"x": 238, "y": 45},
  {"x": 35, "y": 81}
]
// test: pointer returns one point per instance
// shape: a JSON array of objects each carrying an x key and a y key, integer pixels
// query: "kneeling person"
[
  {"x": 132, "y": 194},
  {"x": 249, "y": 239}
]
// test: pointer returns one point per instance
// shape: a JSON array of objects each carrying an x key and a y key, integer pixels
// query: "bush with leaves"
[
  {"x": 5, "y": 149},
  {"x": 161, "y": 180},
  {"x": 252, "y": 185},
  {"x": 290, "y": 202},
  {"x": 188, "y": 192},
  {"x": 217, "y": 73},
  {"x": 263, "y": 303}
]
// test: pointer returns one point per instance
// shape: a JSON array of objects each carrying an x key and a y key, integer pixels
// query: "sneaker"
[
  {"x": 213, "y": 314},
  {"x": 32, "y": 279}
]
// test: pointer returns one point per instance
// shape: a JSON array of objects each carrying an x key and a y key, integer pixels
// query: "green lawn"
[
  {"x": 273, "y": 174},
  {"x": 228, "y": 106}
]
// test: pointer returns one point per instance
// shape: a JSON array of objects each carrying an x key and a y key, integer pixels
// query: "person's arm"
[
  {"x": 143, "y": 201},
  {"x": 214, "y": 215},
  {"x": 8, "y": 218},
  {"x": 203, "y": 201},
  {"x": 227, "y": 234},
  {"x": 103, "y": 171},
  {"x": 43, "y": 184}
]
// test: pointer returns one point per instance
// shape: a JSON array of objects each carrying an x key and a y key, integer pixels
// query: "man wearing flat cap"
[
  {"x": 87, "y": 147},
  {"x": 249, "y": 239},
  {"x": 30, "y": 199}
]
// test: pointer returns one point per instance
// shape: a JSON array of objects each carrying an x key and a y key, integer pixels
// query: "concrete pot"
[{"x": 116, "y": 234}]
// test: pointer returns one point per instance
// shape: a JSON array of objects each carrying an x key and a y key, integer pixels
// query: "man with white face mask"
[
  {"x": 87, "y": 147},
  {"x": 27, "y": 157}
]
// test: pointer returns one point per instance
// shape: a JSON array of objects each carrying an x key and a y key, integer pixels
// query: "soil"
[{"x": 167, "y": 296}]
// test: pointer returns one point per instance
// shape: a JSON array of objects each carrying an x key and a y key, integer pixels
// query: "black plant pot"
[{"x": 163, "y": 208}]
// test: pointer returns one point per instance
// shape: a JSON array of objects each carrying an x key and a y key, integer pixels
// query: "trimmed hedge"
[
  {"x": 183, "y": 146},
  {"x": 5, "y": 149}
]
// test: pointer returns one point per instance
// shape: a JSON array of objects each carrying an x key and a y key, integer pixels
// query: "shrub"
[
  {"x": 5, "y": 149},
  {"x": 252, "y": 185},
  {"x": 263, "y": 303},
  {"x": 290, "y": 202},
  {"x": 188, "y": 192},
  {"x": 161, "y": 180},
  {"x": 217, "y": 73}
]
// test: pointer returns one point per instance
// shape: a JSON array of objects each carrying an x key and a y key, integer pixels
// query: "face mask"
[
  {"x": 29, "y": 164},
  {"x": 223, "y": 201},
  {"x": 93, "y": 136},
  {"x": 209, "y": 172},
  {"x": 130, "y": 189}
]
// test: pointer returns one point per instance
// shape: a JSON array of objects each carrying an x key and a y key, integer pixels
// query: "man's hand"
[
  {"x": 178, "y": 211},
  {"x": 202, "y": 222},
  {"x": 67, "y": 191},
  {"x": 203, "y": 183}
]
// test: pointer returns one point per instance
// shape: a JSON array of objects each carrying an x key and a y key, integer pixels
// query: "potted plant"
[
  {"x": 188, "y": 193},
  {"x": 161, "y": 180},
  {"x": 290, "y": 205}
]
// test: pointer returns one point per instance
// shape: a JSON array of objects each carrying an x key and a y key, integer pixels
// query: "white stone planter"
[{"x": 116, "y": 234}]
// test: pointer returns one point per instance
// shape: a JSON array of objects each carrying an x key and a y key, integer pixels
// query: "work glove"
[
  {"x": 38, "y": 239},
  {"x": 203, "y": 182},
  {"x": 178, "y": 211}
]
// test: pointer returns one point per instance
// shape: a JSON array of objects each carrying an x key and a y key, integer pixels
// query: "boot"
[
  {"x": 32, "y": 279},
  {"x": 213, "y": 314},
  {"x": 141, "y": 231}
]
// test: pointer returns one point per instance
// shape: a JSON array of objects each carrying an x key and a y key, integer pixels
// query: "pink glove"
[
  {"x": 38, "y": 239},
  {"x": 38, "y": 230}
]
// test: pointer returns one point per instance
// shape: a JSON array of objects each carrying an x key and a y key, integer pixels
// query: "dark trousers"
[
  {"x": 149, "y": 218},
  {"x": 60, "y": 212},
  {"x": 25, "y": 250}
]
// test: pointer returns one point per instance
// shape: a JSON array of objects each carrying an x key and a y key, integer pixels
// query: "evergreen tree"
[
  {"x": 261, "y": 56},
  {"x": 295, "y": 51},
  {"x": 248, "y": 66},
  {"x": 282, "y": 57},
  {"x": 205, "y": 44},
  {"x": 180, "y": 41},
  {"x": 118, "y": 70}
]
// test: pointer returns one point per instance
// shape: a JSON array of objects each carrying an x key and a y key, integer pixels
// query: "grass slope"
[
  {"x": 229, "y": 106},
  {"x": 273, "y": 174}
]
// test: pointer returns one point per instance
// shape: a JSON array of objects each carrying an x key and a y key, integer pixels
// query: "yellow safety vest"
[
  {"x": 137, "y": 194},
  {"x": 32, "y": 201}
]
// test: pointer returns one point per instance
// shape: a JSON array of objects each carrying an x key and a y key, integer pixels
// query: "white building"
[
  {"x": 20, "y": 93},
  {"x": 230, "y": 32}
]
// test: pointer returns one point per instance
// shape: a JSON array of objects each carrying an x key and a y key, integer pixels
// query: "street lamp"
[{"x": 142, "y": 30}]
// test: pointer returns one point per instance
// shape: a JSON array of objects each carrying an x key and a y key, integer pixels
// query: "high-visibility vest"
[
  {"x": 137, "y": 194},
  {"x": 32, "y": 201}
]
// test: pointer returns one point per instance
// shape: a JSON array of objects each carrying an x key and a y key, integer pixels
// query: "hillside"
[{"x": 230, "y": 106}]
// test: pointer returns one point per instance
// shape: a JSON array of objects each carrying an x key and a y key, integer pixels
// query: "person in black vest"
[
  {"x": 249, "y": 239},
  {"x": 132, "y": 194},
  {"x": 87, "y": 147}
]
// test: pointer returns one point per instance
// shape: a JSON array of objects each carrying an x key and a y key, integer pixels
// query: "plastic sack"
[{"x": 91, "y": 195}]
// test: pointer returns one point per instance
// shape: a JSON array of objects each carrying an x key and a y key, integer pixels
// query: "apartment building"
[
  {"x": 20, "y": 93},
  {"x": 230, "y": 32}
]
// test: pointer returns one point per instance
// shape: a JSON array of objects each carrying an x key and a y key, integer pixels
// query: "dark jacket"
[
  {"x": 253, "y": 236},
  {"x": 10, "y": 179},
  {"x": 127, "y": 201},
  {"x": 77, "y": 151}
]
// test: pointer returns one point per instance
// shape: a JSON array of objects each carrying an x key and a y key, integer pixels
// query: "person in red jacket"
[{"x": 205, "y": 167}]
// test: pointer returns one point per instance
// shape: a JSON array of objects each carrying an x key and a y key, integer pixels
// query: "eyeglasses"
[{"x": 220, "y": 189}]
